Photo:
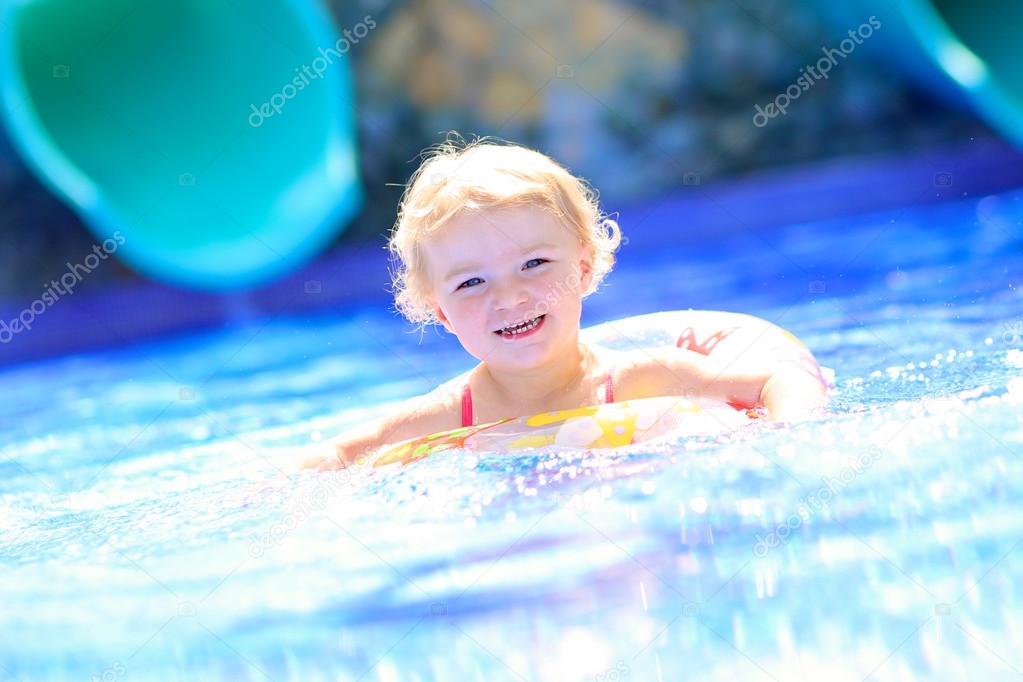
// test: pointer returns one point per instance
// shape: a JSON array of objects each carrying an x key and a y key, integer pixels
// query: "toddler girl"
[{"x": 500, "y": 245}]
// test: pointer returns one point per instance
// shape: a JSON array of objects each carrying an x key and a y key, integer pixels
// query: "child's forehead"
[
  {"x": 512, "y": 222},
  {"x": 508, "y": 234}
]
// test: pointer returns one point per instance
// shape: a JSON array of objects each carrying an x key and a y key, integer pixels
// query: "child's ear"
[
  {"x": 441, "y": 317},
  {"x": 585, "y": 268}
]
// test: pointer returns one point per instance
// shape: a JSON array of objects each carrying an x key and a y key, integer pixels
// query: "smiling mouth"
[{"x": 521, "y": 328}]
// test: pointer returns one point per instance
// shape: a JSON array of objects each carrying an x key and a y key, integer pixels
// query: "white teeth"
[{"x": 521, "y": 329}]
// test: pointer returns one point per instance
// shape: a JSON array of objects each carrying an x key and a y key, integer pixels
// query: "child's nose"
[{"x": 509, "y": 295}]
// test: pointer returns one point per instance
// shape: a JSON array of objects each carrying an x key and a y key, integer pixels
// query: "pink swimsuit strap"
[
  {"x": 466, "y": 406},
  {"x": 467, "y": 418}
]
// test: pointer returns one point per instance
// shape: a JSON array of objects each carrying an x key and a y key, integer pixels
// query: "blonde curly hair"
[{"x": 487, "y": 173}]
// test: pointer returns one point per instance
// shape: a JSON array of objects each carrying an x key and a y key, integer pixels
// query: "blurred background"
[
  {"x": 646, "y": 100},
  {"x": 194, "y": 295}
]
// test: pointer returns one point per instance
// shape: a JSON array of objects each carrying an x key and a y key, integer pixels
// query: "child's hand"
[
  {"x": 322, "y": 461},
  {"x": 792, "y": 385},
  {"x": 344, "y": 452},
  {"x": 793, "y": 393}
]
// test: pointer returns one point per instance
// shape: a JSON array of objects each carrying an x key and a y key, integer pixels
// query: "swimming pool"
[{"x": 147, "y": 534}]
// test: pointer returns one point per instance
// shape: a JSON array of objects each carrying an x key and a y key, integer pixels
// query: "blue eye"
[{"x": 466, "y": 282}]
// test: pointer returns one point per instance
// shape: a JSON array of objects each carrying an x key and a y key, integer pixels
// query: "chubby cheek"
[
  {"x": 466, "y": 308},
  {"x": 468, "y": 317},
  {"x": 560, "y": 292},
  {"x": 470, "y": 322}
]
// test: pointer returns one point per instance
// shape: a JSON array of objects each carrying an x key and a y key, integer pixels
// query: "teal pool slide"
[{"x": 212, "y": 141}]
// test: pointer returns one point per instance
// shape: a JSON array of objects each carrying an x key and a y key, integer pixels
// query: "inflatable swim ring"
[
  {"x": 633, "y": 421},
  {"x": 595, "y": 426}
]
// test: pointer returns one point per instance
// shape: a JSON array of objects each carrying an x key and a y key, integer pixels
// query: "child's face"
[{"x": 495, "y": 268}]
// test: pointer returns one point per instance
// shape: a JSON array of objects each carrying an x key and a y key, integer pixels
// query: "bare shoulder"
[
  {"x": 421, "y": 415},
  {"x": 644, "y": 372},
  {"x": 634, "y": 371}
]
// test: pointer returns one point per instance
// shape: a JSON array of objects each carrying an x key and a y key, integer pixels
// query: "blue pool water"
[{"x": 146, "y": 532}]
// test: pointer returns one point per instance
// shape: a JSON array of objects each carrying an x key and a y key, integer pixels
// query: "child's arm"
[
  {"x": 348, "y": 447},
  {"x": 756, "y": 365},
  {"x": 418, "y": 416},
  {"x": 795, "y": 384}
]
